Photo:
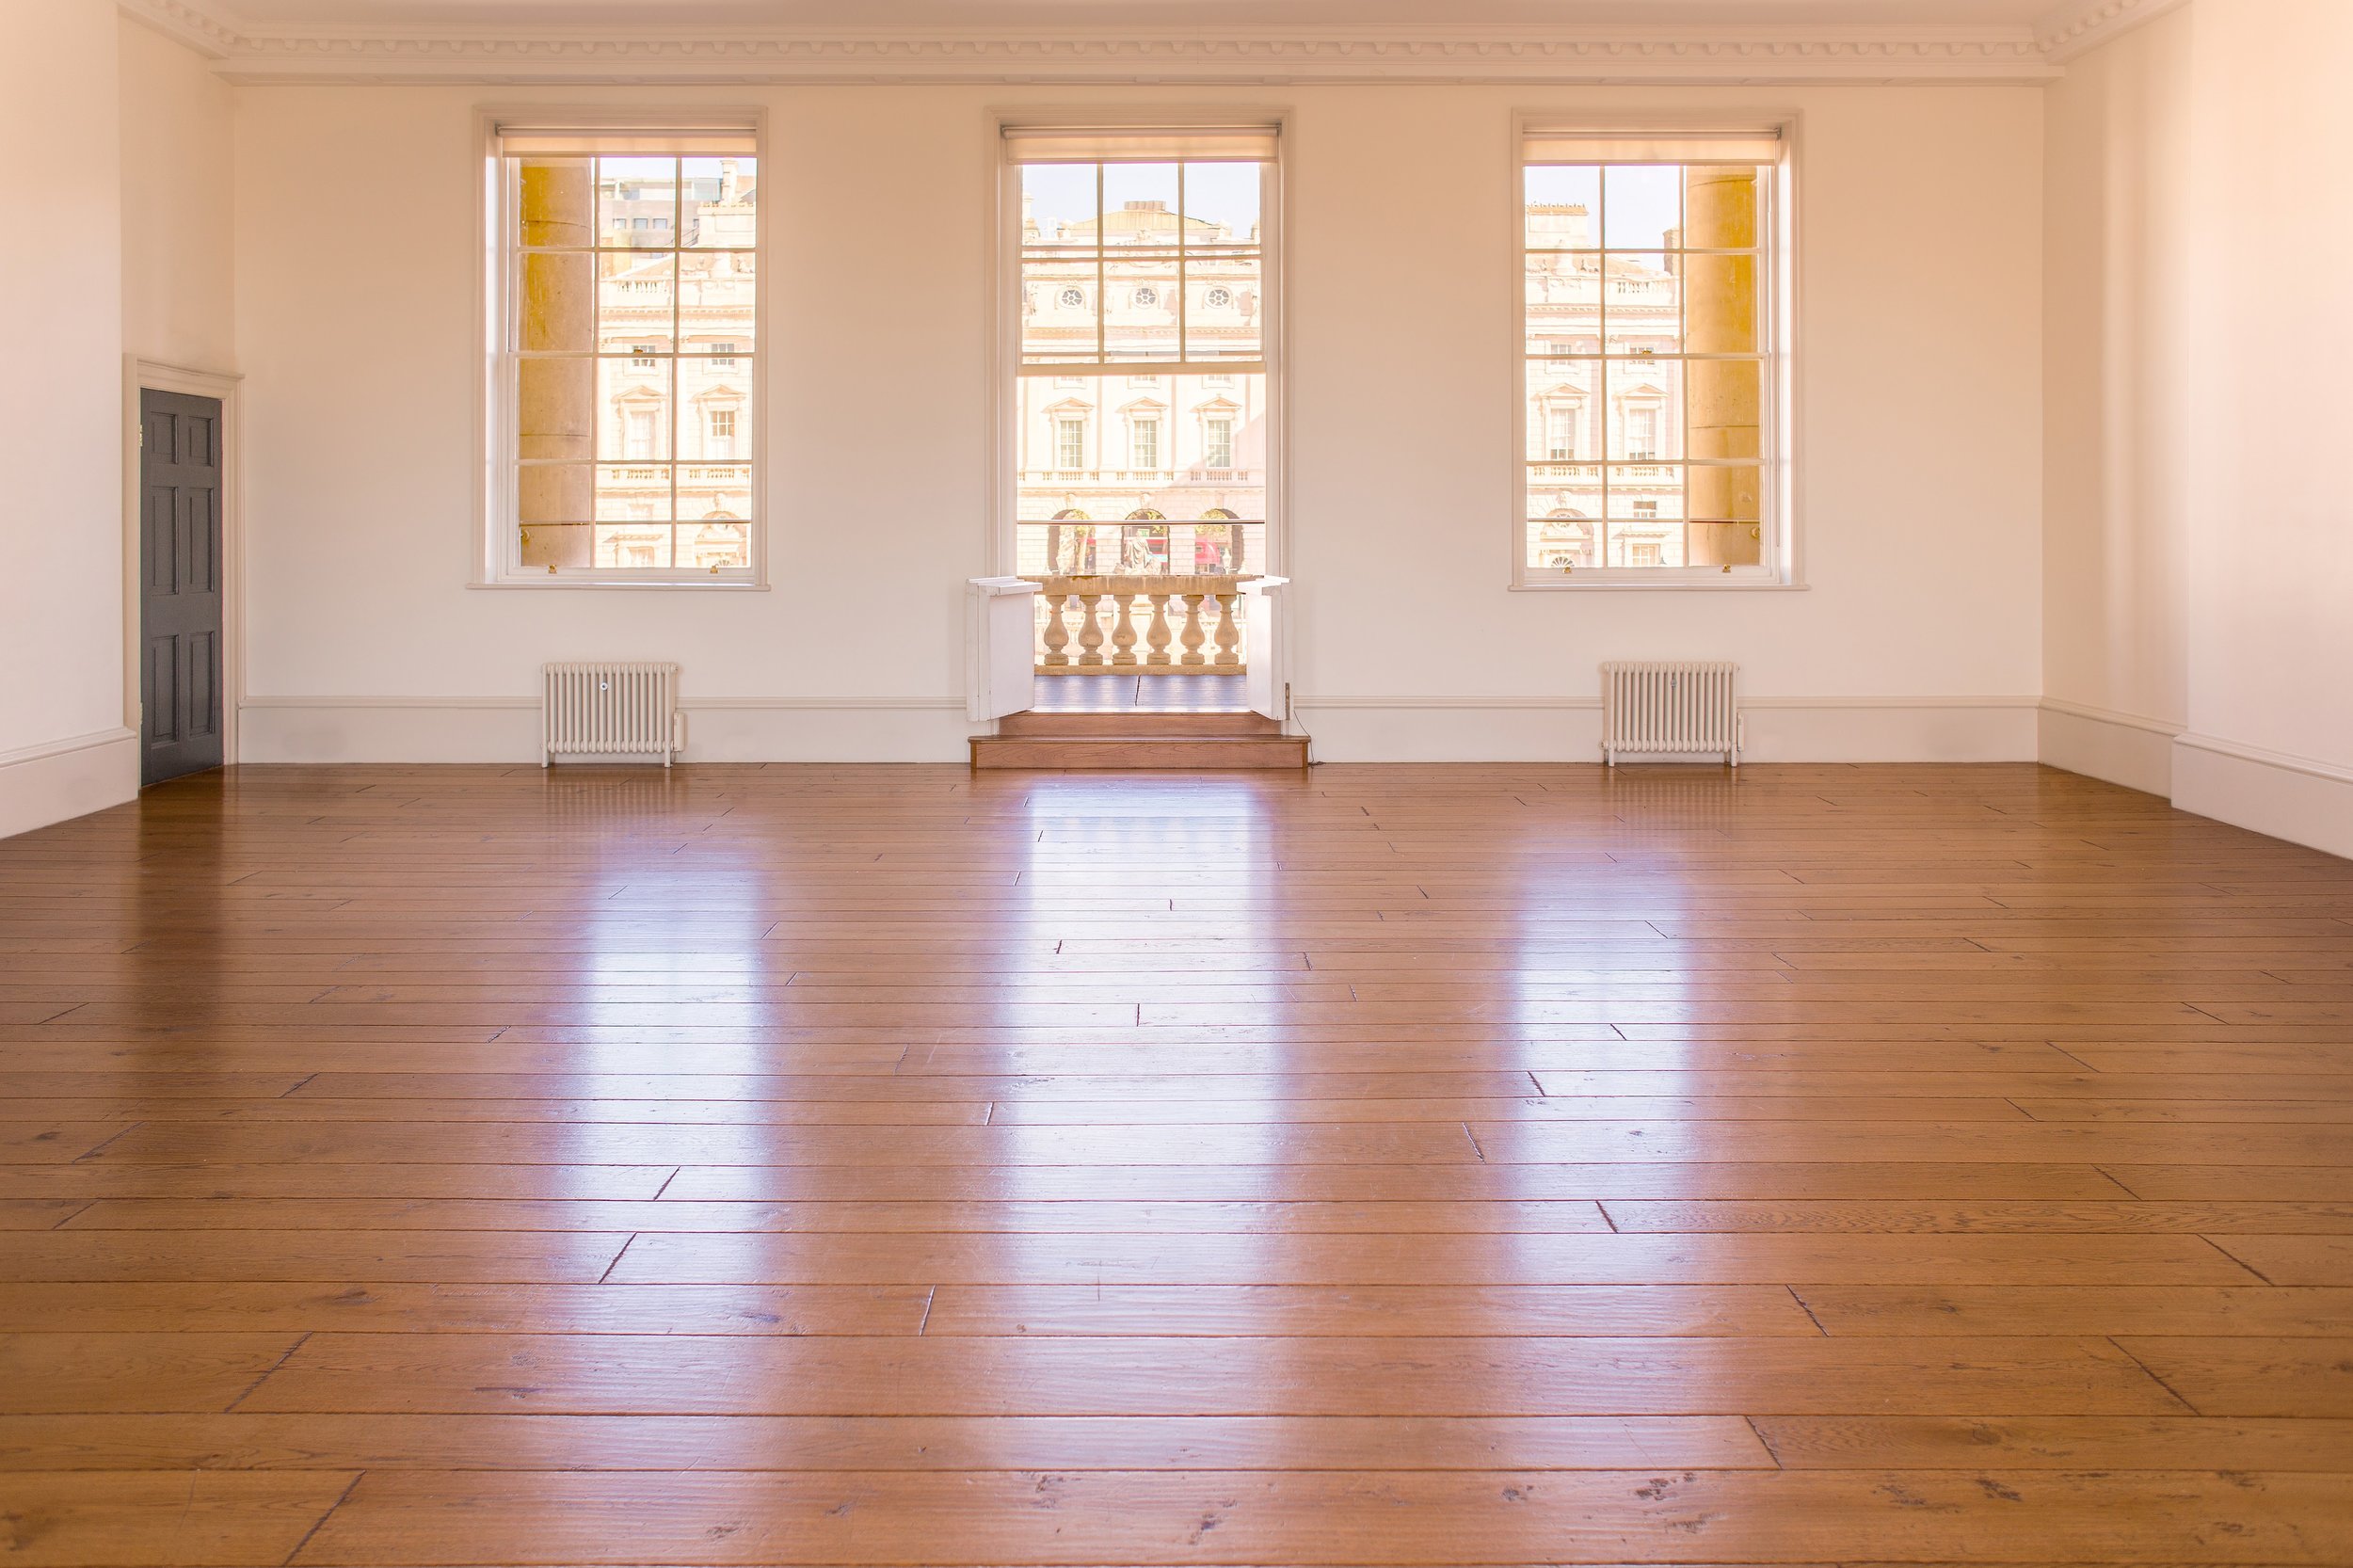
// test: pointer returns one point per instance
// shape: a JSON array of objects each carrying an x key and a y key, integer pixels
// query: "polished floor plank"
[
  {"x": 1338, "y": 1518},
  {"x": 1202, "y": 1376},
  {"x": 1416, "y": 1164}
]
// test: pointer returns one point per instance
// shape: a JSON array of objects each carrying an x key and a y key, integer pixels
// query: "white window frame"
[
  {"x": 497, "y": 544},
  {"x": 1002, "y": 542},
  {"x": 1782, "y": 566}
]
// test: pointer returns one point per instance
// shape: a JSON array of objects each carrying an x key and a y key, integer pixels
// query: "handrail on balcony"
[{"x": 1207, "y": 638}]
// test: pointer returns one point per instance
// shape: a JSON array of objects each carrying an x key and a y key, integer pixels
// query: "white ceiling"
[{"x": 270, "y": 15}]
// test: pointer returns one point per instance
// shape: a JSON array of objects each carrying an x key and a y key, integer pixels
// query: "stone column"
[
  {"x": 555, "y": 404},
  {"x": 1720, "y": 316}
]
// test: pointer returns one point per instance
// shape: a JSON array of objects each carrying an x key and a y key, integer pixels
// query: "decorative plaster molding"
[
  {"x": 1250, "y": 54},
  {"x": 2072, "y": 30}
]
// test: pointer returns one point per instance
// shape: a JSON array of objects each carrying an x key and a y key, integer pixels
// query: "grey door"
[{"x": 180, "y": 610}]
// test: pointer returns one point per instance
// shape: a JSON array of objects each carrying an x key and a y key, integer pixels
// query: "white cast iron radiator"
[
  {"x": 1653, "y": 707},
  {"x": 612, "y": 711}
]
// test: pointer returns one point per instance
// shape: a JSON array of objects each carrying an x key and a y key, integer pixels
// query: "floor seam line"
[{"x": 320, "y": 1523}]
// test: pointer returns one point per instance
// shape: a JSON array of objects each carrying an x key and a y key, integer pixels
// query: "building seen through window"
[{"x": 631, "y": 356}]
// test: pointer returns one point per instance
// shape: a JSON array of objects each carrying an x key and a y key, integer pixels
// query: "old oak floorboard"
[{"x": 1515, "y": 1163}]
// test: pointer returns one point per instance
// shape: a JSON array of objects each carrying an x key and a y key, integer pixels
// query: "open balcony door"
[
  {"x": 1000, "y": 648},
  {"x": 1262, "y": 680}
]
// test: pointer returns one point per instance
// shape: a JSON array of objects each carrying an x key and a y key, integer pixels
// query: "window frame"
[
  {"x": 1782, "y": 566},
  {"x": 1002, "y": 539},
  {"x": 496, "y": 550}
]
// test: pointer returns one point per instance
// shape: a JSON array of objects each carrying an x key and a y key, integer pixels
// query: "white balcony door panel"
[
  {"x": 1262, "y": 677},
  {"x": 1001, "y": 650}
]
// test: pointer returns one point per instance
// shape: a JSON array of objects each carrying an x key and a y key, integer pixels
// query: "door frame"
[{"x": 139, "y": 376}]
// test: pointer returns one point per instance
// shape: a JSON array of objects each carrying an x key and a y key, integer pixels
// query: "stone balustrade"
[{"x": 1189, "y": 625}]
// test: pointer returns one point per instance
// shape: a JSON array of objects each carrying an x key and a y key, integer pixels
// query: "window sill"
[
  {"x": 1637, "y": 581},
  {"x": 696, "y": 584}
]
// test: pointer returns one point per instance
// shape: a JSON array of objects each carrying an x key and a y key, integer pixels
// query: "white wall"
[
  {"x": 2200, "y": 536},
  {"x": 1919, "y": 635},
  {"x": 63, "y": 749},
  {"x": 178, "y": 222},
  {"x": 2119, "y": 442}
]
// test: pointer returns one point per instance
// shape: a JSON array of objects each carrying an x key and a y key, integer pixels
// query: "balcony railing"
[{"x": 1190, "y": 625}]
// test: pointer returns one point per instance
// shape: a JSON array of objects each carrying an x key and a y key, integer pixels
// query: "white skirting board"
[
  {"x": 2300, "y": 799},
  {"x": 1568, "y": 730},
  {"x": 506, "y": 729},
  {"x": 58, "y": 780},
  {"x": 2101, "y": 743}
]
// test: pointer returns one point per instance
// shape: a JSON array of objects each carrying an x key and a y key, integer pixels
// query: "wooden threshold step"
[
  {"x": 1164, "y": 751},
  {"x": 1151, "y": 723}
]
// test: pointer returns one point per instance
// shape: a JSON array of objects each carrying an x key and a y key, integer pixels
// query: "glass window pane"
[
  {"x": 718, "y": 202},
  {"x": 715, "y": 542},
  {"x": 638, "y": 203},
  {"x": 715, "y": 423},
  {"x": 1222, "y": 204},
  {"x": 1720, "y": 206},
  {"x": 558, "y": 303},
  {"x": 717, "y": 294},
  {"x": 634, "y": 546},
  {"x": 1057, "y": 206},
  {"x": 552, "y": 203},
  {"x": 638, "y": 492},
  {"x": 1563, "y": 304},
  {"x": 555, "y": 408},
  {"x": 1564, "y": 407},
  {"x": 553, "y": 492},
  {"x": 1643, "y": 305},
  {"x": 1722, "y": 312},
  {"x": 1642, "y": 206},
  {"x": 1646, "y": 411},
  {"x": 709, "y": 493},
  {"x": 1058, "y": 311},
  {"x": 1726, "y": 492},
  {"x": 635, "y": 293},
  {"x": 568, "y": 544},
  {"x": 1139, "y": 205},
  {"x": 1726, "y": 402},
  {"x": 1139, "y": 307},
  {"x": 1563, "y": 203},
  {"x": 1224, "y": 312},
  {"x": 633, "y": 401}
]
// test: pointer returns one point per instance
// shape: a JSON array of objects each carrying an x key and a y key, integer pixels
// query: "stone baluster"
[
  {"x": 1057, "y": 634},
  {"x": 1228, "y": 635},
  {"x": 1090, "y": 631},
  {"x": 1156, "y": 635},
  {"x": 1123, "y": 629},
  {"x": 1192, "y": 636}
]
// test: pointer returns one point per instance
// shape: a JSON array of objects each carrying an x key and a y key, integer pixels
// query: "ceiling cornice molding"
[
  {"x": 1253, "y": 55},
  {"x": 2072, "y": 30}
]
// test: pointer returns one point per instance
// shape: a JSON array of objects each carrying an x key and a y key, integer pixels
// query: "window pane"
[
  {"x": 1722, "y": 317},
  {"x": 718, "y": 292},
  {"x": 558, "y": 303},
  {"x": 1643, "y": 305},
  {"x": 714, "y": 491},
  {"x": 638, "y": 203},
  {"x": 638, "y": 492},
  {"x": 721, "y": 542},
  {"x": 716, "y": 425},
  {"x": 634, "y": 547},
  {"x": 634, "y": 297},
  {"x": 552, "y": 202},
  {"x": 555, "y": 409},
  {"x": 1563, "y": 411},
  {"x": 1058, "y": 315},
  {"x": 1224, "y": 309},
  {"x": 718, "y": 202},
  {"x": 1562, "y": 205},
  {"x": 1563, "y": 304},
  {"x": 1191, "y": 448},
  {"x": 1720, "y": 206},
  {"x": 633, "y": 395},
  {"x": 570, "y": 544},
  {"x": 1645, "y": 410},
  {"x": 1139, "y": 313},
  {"x": 1725, "y": 399},
  {"x": 1139, "y": 205},
  {"x": 553, "y": 492},
  {"x": 1642, "y": 206},
  {"x": 1726, "y": 507}
]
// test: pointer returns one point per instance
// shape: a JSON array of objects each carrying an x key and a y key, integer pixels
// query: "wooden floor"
[{"x": 1487, "y": 1165}]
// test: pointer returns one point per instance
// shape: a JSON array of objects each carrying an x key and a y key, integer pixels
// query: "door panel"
[{"x": 180, "y": 576}]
